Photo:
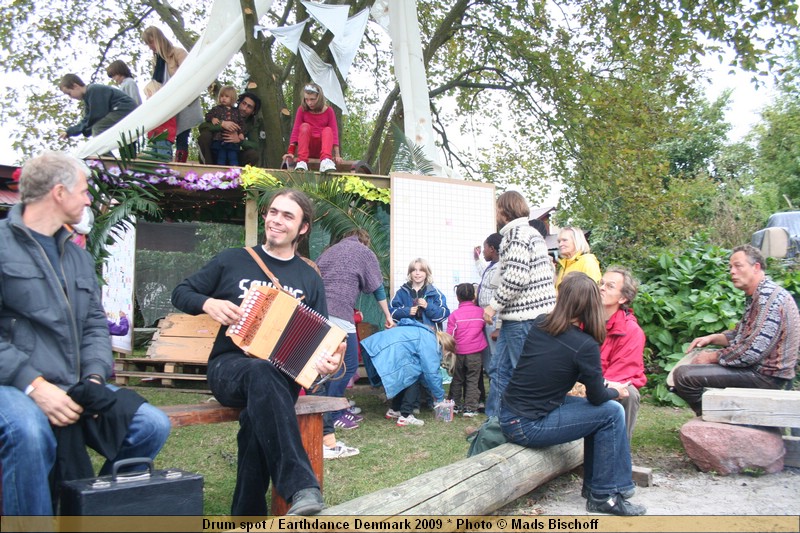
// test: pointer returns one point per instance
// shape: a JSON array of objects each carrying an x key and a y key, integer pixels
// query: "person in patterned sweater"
[
  {"x": 760, "y": 352},
  {"x": 525, "y": 291}
]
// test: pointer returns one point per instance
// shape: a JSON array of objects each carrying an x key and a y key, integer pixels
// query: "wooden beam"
[
  {"x": 477, "y": 485},
  {"x": 758, "y": 407}
]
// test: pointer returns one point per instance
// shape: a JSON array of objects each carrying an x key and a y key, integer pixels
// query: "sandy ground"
[{"x": 681, "y": 491}]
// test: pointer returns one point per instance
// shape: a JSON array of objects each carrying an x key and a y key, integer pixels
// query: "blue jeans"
[
  {"x": 509, "y": 346},
  {"x": 338, "y": 382},
  {"x": 28, "y": 449},
  {"x": 606, "y": 454}
]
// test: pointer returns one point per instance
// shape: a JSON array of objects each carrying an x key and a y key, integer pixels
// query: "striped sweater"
[{"x": 526, "y": 288}]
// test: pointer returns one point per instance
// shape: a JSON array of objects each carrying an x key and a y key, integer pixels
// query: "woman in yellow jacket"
[{"x": 575, "y": 255}]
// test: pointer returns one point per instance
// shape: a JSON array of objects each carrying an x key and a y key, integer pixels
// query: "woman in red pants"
[{"x": 315, "y": 132}]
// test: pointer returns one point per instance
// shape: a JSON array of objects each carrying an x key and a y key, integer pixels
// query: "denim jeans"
[
  {"x": 509, "y": 346},
  {"x": 270, "y": 446},
  {"x": 338, "y": 382},
  {"x": 28, "y": 448},
  {"x": 606, "y": 454}
]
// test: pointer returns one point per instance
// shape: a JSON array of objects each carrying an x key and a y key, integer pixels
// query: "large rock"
[{"x": 730, "y": 449}]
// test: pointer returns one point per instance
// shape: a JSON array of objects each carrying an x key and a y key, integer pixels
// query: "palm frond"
[{"x": 409, "y": 157}]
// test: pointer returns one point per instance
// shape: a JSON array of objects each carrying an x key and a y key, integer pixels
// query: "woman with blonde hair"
[
  {"x": 168, "y": 59},
  {"x": 561, "y": 349},
  {"x": 575, "y": 255}
]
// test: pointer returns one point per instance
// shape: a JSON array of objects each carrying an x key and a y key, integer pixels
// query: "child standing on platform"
[
  {"x": 226, "y": 153},
  {"x": 466, "y": 325}
]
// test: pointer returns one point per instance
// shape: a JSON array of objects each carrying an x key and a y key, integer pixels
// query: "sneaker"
[
  {"x": 354, "y": 410},
  {"x": 326, "y": 165},
  {"x": 301, "y": 165},
  {"x": 469, "y": 414},
  {"x": 355, "y": 418},
  {"x": 616, "y": 505},
  {"x": 339, "y": 451},
  {"x": 392, "y": 414},
  {"x": 628, "y": 494},
  {"x": 409, "y": 420},
  {"x": 344, "y": 422}
]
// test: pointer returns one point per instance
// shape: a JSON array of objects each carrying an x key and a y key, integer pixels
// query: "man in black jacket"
[{"x": 53, "y": 335}]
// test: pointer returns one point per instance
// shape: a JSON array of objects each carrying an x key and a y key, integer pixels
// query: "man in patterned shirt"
[{"x": 760, "y": 352}]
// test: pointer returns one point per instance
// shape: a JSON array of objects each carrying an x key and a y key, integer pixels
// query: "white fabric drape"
[
  {"x": 324, "y": 75},
  {"x": 344, "y": 47},
  {"x": 289, "y": 36},
  {"x": 409, "y": 69},
  {"x": 333, "y": 18}
]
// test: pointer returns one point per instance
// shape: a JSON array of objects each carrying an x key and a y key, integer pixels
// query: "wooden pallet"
[
  {"x": 166, "y": 371},
  {"x": 179, "y": 351}
]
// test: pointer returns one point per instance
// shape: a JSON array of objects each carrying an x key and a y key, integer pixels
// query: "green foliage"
[
  {"x": 683, "y": 296},
  {"x": 688, "y": 295},
  {"x": 778, "y": 138}
]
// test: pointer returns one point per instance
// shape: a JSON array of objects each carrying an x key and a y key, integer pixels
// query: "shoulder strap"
[{"x": 275, "y": 281}]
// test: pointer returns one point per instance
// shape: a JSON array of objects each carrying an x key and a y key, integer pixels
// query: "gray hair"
[
  {"x": 629, "y": 284},
  {"x": 753, "y": 255},
  {"x": 48, "y": 169}
]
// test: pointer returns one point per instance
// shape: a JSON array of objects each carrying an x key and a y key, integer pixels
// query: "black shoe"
[
  {"x": 628, "y": 494},
  {"x": 306, "y": 502},
  {"x": 614, "y": 504}
]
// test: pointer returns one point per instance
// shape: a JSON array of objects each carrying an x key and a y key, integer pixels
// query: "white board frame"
[{"x": 441, "y": 220}]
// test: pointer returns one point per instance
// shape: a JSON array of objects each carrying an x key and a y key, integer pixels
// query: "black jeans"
[
  {"x": 406, "y": 399},
  {"x": 269, "y": 439},
  {"x": 692, "y": 380}
]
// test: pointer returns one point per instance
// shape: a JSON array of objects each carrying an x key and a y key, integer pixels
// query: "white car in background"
[{"x": 781, "y": 236}]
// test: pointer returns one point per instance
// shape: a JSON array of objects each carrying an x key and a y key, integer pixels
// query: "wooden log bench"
[
  {"x": 478, "y": 485},
  {"x": 757, "y": 407},
  {"x": 309, "y": 410}
]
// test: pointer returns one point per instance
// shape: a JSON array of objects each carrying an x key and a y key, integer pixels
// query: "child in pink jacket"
[{"x": 466, "y": 325}]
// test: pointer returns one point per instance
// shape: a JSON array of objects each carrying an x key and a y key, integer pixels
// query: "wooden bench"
[
  {"x": 757, "y": 407},
  {"x": 309, "y": 410}
]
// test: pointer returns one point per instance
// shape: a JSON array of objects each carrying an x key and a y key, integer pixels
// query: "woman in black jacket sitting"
[{"x": 562, "y": 348}]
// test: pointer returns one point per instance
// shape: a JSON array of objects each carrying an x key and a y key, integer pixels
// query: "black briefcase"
[{"x": 148, "y": 493}]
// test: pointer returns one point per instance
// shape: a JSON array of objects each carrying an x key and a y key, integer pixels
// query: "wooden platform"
[{"x": 178, "y": 352}]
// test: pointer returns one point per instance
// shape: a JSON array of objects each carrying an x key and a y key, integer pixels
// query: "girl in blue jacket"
[{"x": 418, "y": 299}]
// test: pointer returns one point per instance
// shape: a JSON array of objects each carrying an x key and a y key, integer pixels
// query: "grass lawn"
[{"x": 389, "y": 454}]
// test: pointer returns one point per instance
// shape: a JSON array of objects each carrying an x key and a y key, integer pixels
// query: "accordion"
[{"x": 286, "y": 332}]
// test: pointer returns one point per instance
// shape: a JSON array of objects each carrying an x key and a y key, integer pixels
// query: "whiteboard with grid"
[{"x": 441, "y": 220}]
